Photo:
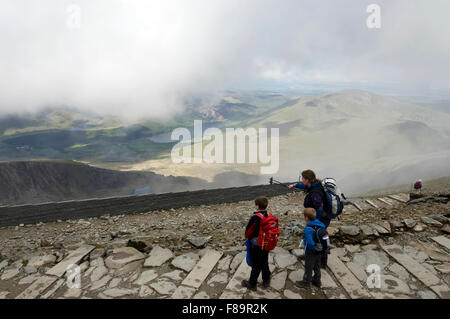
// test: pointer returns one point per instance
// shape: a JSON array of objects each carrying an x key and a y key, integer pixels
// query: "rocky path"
[{"x": 407, "y": 258}]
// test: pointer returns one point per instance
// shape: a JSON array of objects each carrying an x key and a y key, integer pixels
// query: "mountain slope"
[{"x": 58, "y": 180}]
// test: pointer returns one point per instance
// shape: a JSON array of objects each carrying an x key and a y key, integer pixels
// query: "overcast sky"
[{"x": 143, "y": 58}]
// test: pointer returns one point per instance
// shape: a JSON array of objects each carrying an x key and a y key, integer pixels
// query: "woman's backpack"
[{"x": 334, "y": 198}]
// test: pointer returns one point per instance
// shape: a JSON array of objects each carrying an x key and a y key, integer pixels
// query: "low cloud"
[{"x": 144, "y": 59}]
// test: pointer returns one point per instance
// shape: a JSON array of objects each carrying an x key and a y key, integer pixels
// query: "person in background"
[{"x": 418, "y": 186}]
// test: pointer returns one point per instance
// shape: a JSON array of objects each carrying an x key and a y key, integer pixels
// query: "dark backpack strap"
[{"x": 316, "y": 238}]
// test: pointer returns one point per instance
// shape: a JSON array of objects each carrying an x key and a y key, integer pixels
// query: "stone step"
[
  {"x": 371, "y": 203},
  {"x": 403, "y": 196},
  {"x": 417, "y": 270},
  {"x": 357, "y": 206},
  {"x": 329, "y": 287},
  {"x": 385, "y": 200},
  {"x": 196, "y": 277},
  {"x": 397, "y": 198},
  {"x": 38, "y": 287},
  {"x": 364, "y": 205},
  {"x": 234, "y": 289},
  {"x": 346, "y": 278},
  {"x": 73, "y": 258},
  {"x": 350, "y": 209},
  {"x": 443, "y": 241}
]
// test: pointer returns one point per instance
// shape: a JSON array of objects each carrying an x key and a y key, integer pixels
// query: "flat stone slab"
[
  {"x": 419, "y": 271},
  {"x": 10, "y": 273},
  {"x": 381, "y": 230},
  {"x": 369, "y": 257},
  {"x": 237, "y": 260},
  {"x": 358, "y": 271},
  {"x": 29, "y": 279},
  {"x": 410, "y": 223},
  {"x": 73, "y": 258},
  {"x": 350, "y": 283},
  {"x": 186, "y": 261},
  {"x": 441, "y": 290},
  {"x": 38, "y": 287},
  {"x": 100, "y": 283},
  {"x": 158, "y": 256},
  {"x": 285, "y": 260},
  {"x": 39, "y": 261},
  {"x": 397, "y": 198},
  {"x": 371, "y": 203},
  {"x": 393, "y": 285},
  {"x": 220, "y": 278},
  {"x": 368, "y": 231},
  {"x": 384, "y": 200},
  {"x": 442, "y": 240},
  {"x": 118, "y": 292},
  {"x": 400, "y": 271},
  {"x": 430, "y": 221},
  {"x": 145, "y": 291},
  {"x": 350, "y": 230},
  {"x": 176, "y": 275},
  {"x": 224, "y": 263},
  {"x": 278, "y": 281},
  {"x": 183, "y": 292},
  {"x": 264, "y": 294},
  {"x": 164, "y": 287},
  {"x": 202, "y": 269},
  {"x": 146, "y": 276},
  {"x": 289, "y": 294},
  {"x": 201, "y": 295},
  {"x": 234, "y": 289},
  {"x": 53, "y": 289},
  {"x": 122, "y": 256},
  {"x": 98, "y": 273},
  {"x": 443, "y": 268},
  {"x": 73, "y": 293},
  {"x": 198, "y": 242}
]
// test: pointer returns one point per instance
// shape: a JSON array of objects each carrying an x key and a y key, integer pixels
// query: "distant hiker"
[
  {"x": 262, "y": 233},
  {"x": 418, "y": 186},
  {"x": 315, "y": 198},
  {"x": 315, "y": 239}
]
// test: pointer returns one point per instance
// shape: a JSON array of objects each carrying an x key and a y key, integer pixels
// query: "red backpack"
[{"x": 268, "y": 232}]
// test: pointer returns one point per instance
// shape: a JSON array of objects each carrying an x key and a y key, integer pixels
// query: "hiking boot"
[
  {"x": 318, "y": 284},
  {"x": 266, "y": 284},
  {"x": 246, "y": 284},
  {"x": 302, "y": 284}
]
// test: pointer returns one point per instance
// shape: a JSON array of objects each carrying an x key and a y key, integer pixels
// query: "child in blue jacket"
[{"x": 312, "y": 237}]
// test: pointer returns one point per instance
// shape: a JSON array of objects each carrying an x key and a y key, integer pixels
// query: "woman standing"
[{"x": 315, "y": 198}]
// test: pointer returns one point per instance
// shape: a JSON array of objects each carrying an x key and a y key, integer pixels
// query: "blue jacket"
[
  {"x": 308, "y": 235},
  {"x": 314, "y": 197}
]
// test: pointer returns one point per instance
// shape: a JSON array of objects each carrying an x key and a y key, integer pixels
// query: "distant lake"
[{"x": 165, "y": 137}]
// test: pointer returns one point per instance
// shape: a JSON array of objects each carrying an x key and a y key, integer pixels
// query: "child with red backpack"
[{"x": 262, "y": 231}]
